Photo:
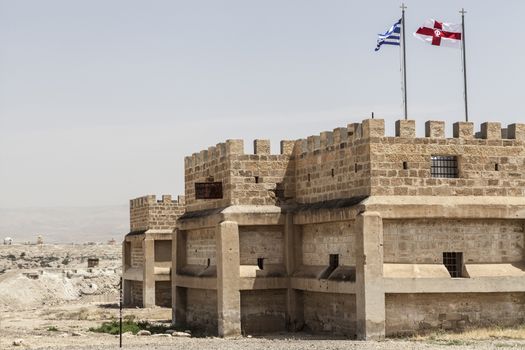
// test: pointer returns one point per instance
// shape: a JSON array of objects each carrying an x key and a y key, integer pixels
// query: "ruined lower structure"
[
  {"x": 354, "y": 233},
  {"x": 146, "y": 250}
]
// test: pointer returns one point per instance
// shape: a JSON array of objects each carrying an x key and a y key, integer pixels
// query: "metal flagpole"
[
  {"x": 403, "y": 7},
  {"x": 464, "y": 60}
]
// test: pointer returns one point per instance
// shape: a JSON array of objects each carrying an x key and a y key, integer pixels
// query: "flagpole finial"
[
  {"x": 462, "y": 11},
  {"x": 403, "y": 7}
]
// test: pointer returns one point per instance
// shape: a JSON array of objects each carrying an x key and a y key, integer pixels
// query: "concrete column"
[
  {"x": 178, "y": 294},
  {"x": 228, "y": 294},
  {"x": 148, "y": 281},
  {"x": 370, "y": 295},
  {"x": 294, "y": 314},
  {"x": 126, "y": 292}
]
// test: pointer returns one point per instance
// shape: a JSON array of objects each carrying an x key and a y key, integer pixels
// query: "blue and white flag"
[{"x": 391, "y": 37}]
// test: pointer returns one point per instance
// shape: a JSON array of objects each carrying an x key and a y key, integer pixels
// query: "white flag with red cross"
[{"x": 440, "y": 34}]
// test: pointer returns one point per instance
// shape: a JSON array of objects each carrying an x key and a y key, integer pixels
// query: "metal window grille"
[
  {"x": 453, "y": 261},
  {"x": 444, "y": 166}
]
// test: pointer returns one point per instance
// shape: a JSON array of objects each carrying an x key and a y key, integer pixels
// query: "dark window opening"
[
  {"x": 308, "y": 177},
  {"x": 260, "y": 263},
  {"x": 453, "y": 261},
  {"x": 355, "y": 168},
  {"x": 444, "y": 166},
  {"x": 334, "y": 261},
  {"x": 405, "y": 165},
  {"x": 496, "y": 167},
  {"x": 208, "y": 190},
  {"x": 257, "y": 180},
  {"x": 333, "y": 173},
  {"x": 208, "y": 262}
]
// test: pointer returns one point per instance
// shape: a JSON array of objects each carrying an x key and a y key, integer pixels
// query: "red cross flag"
[{"x": 440, "y": 34}]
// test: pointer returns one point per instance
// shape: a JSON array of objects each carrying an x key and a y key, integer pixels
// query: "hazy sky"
[{"x": 101, "y": 100}]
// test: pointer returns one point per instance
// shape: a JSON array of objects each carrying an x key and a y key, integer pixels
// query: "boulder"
[{"x": 143, "y": 332}]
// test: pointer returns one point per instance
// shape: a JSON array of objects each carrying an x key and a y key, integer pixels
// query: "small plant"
[
  {"x": 52, "y": 329},
  {"x": 23, "y": 254},
  {"x": 129, "y": 325},
  {"x": 11, "y": 257}
]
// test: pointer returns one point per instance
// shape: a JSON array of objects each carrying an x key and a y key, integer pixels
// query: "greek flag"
[{"x": 391, "y": 37}]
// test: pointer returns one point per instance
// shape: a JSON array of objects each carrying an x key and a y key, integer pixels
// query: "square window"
[
  {"x": 453, "y": 261},
  {"x": 444, "y": 166},
  {"x": 334, "y": 260}
]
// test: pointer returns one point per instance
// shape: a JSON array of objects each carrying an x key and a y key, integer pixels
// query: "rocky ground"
[{"x": 49, "y": 299}]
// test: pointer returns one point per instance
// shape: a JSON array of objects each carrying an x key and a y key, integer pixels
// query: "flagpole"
[
  {"x": 403, "y": 7},
  {"x": 464, "y": 60}
]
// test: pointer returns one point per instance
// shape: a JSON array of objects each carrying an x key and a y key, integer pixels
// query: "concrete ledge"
[
  {"x": 196, "y": 282},
  {"x": 455, "y": 285},
  {"x": 464, "y": 207},
  {"x": 322, "y": 286},
  {"x": 415, "y": 271},
  {"x": 162, "y": 277},
  {"x": 254, "y": 283},
  {"x": 495, "y": 270},
  {"x": 133, "y": 274}
]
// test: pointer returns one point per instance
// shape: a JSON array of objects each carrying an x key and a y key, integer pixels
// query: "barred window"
[
  {"x": 453, "y": 261},
  {"x": 444, "y": 166}
]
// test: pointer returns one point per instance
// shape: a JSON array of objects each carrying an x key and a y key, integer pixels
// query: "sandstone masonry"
[{"x": 351, "y": 232}]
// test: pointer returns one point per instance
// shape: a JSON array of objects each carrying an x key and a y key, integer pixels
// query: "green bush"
[
  {"x": 52, "y": 329},
  {"x": 129, "y": 325}
]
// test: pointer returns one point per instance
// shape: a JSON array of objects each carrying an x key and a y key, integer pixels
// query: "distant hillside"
[{"x": 65, "y": 224}]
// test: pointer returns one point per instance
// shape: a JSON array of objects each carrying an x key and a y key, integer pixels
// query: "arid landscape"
[{"x": 50, "y": 299}]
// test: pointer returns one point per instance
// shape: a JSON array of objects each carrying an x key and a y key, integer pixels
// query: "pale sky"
[{"x": 101, "y": 100}]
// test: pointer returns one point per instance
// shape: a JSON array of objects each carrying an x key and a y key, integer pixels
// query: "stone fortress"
[{"x": 349, "y": 232}]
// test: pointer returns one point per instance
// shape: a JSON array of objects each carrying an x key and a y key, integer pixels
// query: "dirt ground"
[{"x": 67, "y": 327}]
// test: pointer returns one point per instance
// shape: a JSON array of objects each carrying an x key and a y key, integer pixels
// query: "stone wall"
[
  {"x": 201, "y": 246},
  {"x": 149, "y": 213},
  {"x": 490, "y": 166},
  {"x": 261, "y": 242},
  {"x": 481, "y": 241},
  {"x": 321, "y": 240},
  {"x": 411, "y": 313},
  {"x": 163, "y": 293},
  {"x": 250, "y": 179},
  {"x": 201, "y": 311},
  {"x": 137, "y": 254},
  {"x": 136, "y": 293},
  {"x": 332, "y": 165},
  {"x": 330, "y": 313},
  {"x": 263, "y": 311},
  {"x": 163, "y": 250}
]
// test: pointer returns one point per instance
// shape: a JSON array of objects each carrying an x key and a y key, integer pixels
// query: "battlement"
[
  {"x": 147, "y": 212},
  {"x": 151, "y": 199}
]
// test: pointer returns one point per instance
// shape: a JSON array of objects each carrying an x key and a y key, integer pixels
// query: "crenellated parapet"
[
  {"x": 360, "y": 160},
  {"x": 253, "y": 179},
  {"x": 148, "y": 213}
]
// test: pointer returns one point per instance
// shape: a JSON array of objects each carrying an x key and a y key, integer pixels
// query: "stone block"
[
  {"x": 406, "y": 128},
  {"x": 373, "y": 128},
  {"x": 435, "y": 129},
  {"x": 313, "y": 143},
  {"x": 326, "y": 139},
  {"x": 491, "y": 130},
  {"x": 234, "y": 147},
  {"x": 261, "y": 147},
  {"x": 340, "y": 135},
  {"x": 463, "y": 130},
  {"x": 287, "y": 147},
  {"x": 516, "y": 131}
]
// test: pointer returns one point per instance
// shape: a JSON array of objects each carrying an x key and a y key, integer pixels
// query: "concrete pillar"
[
  {"x": 148, "y": 281},
  {"x": 370, "y": 295},
  {"x": 294, "y": 307},
  {"x": 178, "y": 294},
  {"x": 126, "y": 285},
  {"x": 228, "y": 294}
]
